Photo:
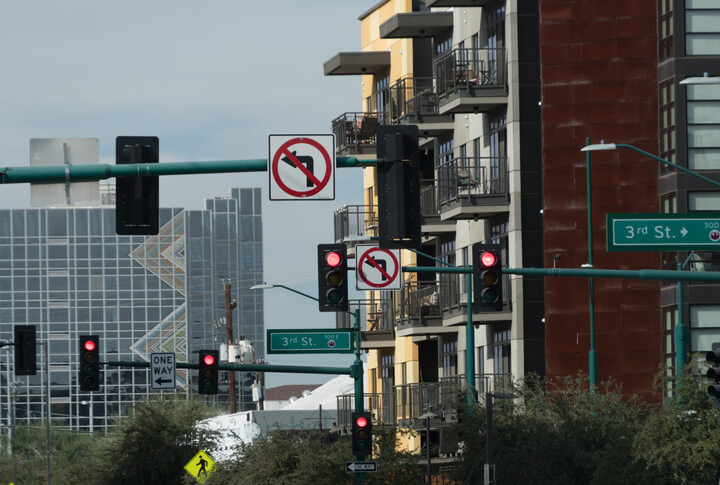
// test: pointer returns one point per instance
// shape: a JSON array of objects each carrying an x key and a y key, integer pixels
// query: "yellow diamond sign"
[{"x": 200, "y": 466}]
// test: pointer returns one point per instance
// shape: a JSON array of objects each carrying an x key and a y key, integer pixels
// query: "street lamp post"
[{"x": 681, "y": 333}]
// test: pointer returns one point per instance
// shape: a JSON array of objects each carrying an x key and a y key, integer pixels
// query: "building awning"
[
  {"x": 416, "y": 24},
  {"x": 349, "y": 63}
]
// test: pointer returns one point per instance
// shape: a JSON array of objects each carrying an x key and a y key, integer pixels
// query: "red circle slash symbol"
[{"x": 289, "y": 156}]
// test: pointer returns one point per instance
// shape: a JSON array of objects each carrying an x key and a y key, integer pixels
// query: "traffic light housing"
[
  {"x": 398, "y": 173},
  {"x": 362, "y": 434},
  {"x": 89, "y": 377},
  {"x": 487, "y": 278},
  {"x": 332, "y": 278},
  {"x": 712, "y": 357},
  {"x": 25, "y": 350},
  {"x": 137, "y": 198},
  {"x": 208, "y": 372}
]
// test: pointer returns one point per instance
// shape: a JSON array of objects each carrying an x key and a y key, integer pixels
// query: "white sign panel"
[
  {"x": 377, "y": 269},
  {"x": 162, "y": 370},
  {"x": 301, "y": 167}
]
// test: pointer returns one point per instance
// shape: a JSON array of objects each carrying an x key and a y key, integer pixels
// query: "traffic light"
[
  {"x": 712, "y": 357},
  {"x": 398, "y": 172},
  {"x": 208, "y": 372},
  {"x": 137, "y": 198},
  {"x": 25, "y": 350},
  {"x": 89, "y": 363},
  {"x": 332, "y": 278},
  {"x": 362, "y": 434},
  {"x": 487, "y": 278}
]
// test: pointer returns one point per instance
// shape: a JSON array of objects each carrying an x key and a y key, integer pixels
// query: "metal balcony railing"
[
  {"x": 428, "y": 199},
  {"x": 410, "y": 97},
  {"x": 441, "y": 398},
  {"x": 356, "y": 131},
  {"x": 493, "y": 383},
  {"x": 472, "y": 178},
  {"x": 416, "y": 302},
  {"x": 375, "y": 315},
  {"x": 464, "y": 70},
  {"x": 355, "y": 222},
  {"x": 381, "y": 405}
]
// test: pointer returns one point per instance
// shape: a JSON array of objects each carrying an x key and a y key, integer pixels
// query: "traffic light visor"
[
  {"x": 488, "y": 259},
  {"x": 89, "y": 345},
  {"x": 209, "y": 360},
  {"x": 333, "y": 259}
]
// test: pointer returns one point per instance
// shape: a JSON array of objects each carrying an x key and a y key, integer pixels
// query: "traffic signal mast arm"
[
  {"x": 297, "y": 369},
  {"x": 79, "y": 173}
]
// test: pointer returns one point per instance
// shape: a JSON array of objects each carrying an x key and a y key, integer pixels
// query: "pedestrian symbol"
[{"x": 200, "y": 466}]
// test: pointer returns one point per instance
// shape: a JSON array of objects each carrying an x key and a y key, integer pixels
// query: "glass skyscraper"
[{"x": 67, "y": 272}]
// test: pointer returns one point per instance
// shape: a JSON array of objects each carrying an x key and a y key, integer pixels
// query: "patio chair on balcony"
[{"x": 368, "y": 129}]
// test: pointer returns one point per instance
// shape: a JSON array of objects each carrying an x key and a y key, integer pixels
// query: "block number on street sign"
[
  {"x": 162, "y": 370},
  {"x": 377, "y": 269},
  {"x": 301, "y": 167}
]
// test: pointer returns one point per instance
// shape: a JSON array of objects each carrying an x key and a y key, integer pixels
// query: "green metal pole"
[
  {"x": 77, "y": 173},
  {"x": 638, "y": 274},
  {"x": 358, "y": 367},
  {"x": 666, "y": 162},
  {"x": 592, "y": 357},
  {"x": 680, "y": 333},
  {"x": 292, "y": 369},
  {"x": 470, "y": 345}
]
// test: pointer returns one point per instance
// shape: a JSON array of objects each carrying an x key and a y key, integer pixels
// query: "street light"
[
  {"x": 704, "y": 79},
  {"x": 680, "y": 328}
]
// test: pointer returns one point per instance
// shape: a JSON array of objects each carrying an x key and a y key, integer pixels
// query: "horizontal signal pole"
[
  {"x": 79, "y": 173},
  {"x": 297, "y": 369}
]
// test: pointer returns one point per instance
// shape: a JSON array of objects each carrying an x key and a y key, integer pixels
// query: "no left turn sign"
[
  {"x": 301, "y": 167},
  {"x": 377, "y": 269}
]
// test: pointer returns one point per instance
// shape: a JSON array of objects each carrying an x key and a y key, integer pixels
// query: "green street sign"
[
  {"x": 663, "y": 232},
  {"x": 310, "y": 341}
]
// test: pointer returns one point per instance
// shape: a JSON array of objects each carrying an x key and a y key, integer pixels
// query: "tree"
[
  {"x": 154, "y": 444},
  {"x": 682, "y": 440}
]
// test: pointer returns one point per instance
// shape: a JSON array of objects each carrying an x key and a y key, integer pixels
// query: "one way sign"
[
  {"x": 162, "y": 370},
  {"x": 360, "y": 466}
]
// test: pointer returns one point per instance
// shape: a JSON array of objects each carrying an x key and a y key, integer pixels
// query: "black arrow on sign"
[
  {"x": 304, "y": 163},
  {"x": 380, "y": 265},
  {"x": 160, "y": 381}
]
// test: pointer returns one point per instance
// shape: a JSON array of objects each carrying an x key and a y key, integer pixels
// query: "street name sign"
[
  {"x": 301, "y": 167},
  {"x": 162, "y": 370},
  {"x": 360, "y": 466},
  {"x": 310, "y": 341},
  {"x": 663, "y": 232}
]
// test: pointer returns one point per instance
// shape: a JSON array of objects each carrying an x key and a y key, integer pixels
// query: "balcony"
[
  {"x": 416, "y": 25},
  {"x": 380, "y": 404},
  {"x": 471, "y": 80},
  {"x": 355, "y": 133},
  {"x": 453, "y": 301},
  {"x": 441, "y": 398},
  {"x": 473, "y": 187},
  {"x": 430, "y": 210},
  {"x": 493, "y": 383},
  {"x": 355, "y": 223},
  {"x": 376, "y": 323},
  {"x": 414, "y": 101},
  {"x": 417, "y": 310}
]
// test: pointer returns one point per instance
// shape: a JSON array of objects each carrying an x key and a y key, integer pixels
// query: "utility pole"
[{"x": 229, "y": 305}]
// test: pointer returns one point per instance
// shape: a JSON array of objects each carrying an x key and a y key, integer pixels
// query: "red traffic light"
[
  {"x": 488, "y": 259},
  {"x": 333, "y": 259},
  {"x": 209, "y": 359},
  {"x": 89, "y": 345},
  {"x": 361, "y": 421}
]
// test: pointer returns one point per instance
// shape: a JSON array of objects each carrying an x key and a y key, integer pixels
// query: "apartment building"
[{"x": 467, "y": 74}]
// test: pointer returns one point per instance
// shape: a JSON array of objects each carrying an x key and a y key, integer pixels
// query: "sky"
[{"x": 212, "y": 80}]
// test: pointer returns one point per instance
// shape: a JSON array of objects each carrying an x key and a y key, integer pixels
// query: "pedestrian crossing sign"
[{"x": 200, "y": 466}]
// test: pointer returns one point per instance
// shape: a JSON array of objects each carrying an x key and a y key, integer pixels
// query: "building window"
[
  {"x": 703, "y": 201},
  {"x": 669, "y": 318},
  {"x": 667, "y": 123},
  {"x": 704, "y": 327},
  {"x": 448, "y": 356},
  {"x": 665, "y": 29},
  {"x": 501, "y": 352},
  {"x": 703, "y": 126},
  {"x": 702, "y": 27}
]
